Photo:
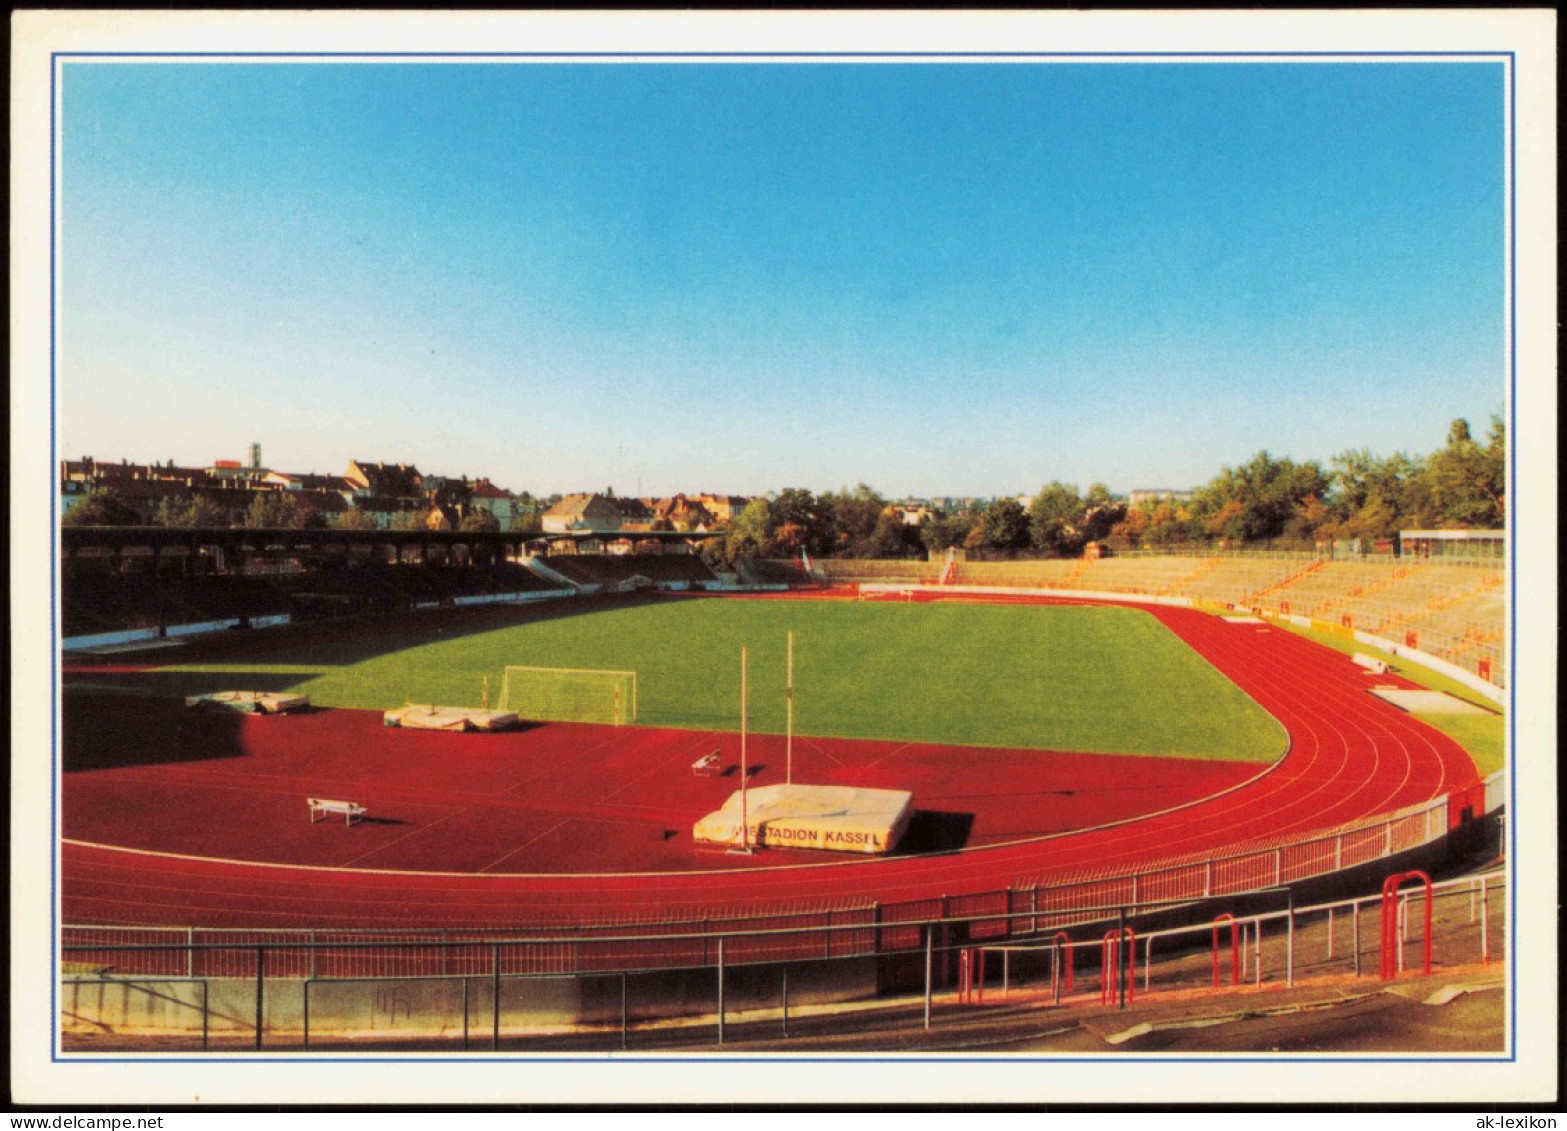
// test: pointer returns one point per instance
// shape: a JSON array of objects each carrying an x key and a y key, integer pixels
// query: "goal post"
[{"x": 570, "y": 695}]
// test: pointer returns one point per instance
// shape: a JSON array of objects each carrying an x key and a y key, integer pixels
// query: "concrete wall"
[
  {"x": 140, "y": 635},
  {"x": 434, "y": 1006}
]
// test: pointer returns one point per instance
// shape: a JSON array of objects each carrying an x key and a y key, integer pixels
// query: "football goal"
[{"x": 570, "y": 695}]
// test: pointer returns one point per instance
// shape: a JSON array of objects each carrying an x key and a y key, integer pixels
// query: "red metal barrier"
[
  {"x": 1110, "y": 964},
  {"x": 1235, "y": 949},
  {"x": 1392, "y": 944},
  {"x": 971, "y": 976},
  {"x": 1465, "y": 804},
  {"x": 1061, "y": 943}
]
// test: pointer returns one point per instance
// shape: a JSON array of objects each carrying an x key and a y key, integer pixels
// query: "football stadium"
[
  {"x": 520, "y": 798},
  {"x": 633, "y": 560}
]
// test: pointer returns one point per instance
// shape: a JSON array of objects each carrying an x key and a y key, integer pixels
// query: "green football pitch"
[{"x": 1043, "y": 677}]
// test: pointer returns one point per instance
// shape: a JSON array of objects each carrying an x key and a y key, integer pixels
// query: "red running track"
[
  {"x": 1352, "y": 756},
  {"x": 149, "y": 774}
]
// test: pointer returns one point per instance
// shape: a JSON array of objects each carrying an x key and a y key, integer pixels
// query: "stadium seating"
[
  {"x": 762, "y": 571},
  {"x": 1033, "y": 575},
  {"x": 855, "y": 570},
  {"x": 1239, "y": 581},
  {"x": 610, "y": 570},
  {"x": 93, "y": 603},
  {"x": 114, "y": 603}
]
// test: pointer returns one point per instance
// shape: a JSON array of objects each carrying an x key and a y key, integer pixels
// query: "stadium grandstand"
[
  {"x": 855, "y": 570},
  {"x": 618, "y": 570},
  {"x": 160, "y": 582},
  {"x": 761, "y": 571},
  {"x": 109, "y": 603}
]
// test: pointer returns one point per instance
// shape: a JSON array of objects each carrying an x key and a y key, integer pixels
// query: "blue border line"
[
  {"x": 664, "y": 58},
  {"x": 1512, "y": 548},
  {"x": 54, "y": 565},
  {"x": 1509, "y": 61}
]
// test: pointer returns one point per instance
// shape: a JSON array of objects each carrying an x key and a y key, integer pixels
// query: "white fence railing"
[{"x": 467, "y": 994}]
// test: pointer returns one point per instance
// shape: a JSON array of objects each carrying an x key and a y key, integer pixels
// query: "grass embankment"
[
  {"x": 1483, "y": 736},
  {"x": 1061, "y": 678}
]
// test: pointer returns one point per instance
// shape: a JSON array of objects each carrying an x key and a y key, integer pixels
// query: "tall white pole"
[
  {"x": 789, "y": 727},
  {"x": 745, "y": 822}
]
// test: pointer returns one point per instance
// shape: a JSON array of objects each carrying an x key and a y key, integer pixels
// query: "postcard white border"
[{"x": 39, "y": 1077}]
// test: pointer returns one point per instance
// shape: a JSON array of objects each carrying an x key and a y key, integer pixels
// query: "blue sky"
[{"x": 934, "y": 278}]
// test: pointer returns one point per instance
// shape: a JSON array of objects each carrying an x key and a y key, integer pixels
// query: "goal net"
[{"x": 570, "y": 695}]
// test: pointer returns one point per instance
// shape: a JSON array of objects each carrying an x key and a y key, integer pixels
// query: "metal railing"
[{"x": 485, "y": 999}]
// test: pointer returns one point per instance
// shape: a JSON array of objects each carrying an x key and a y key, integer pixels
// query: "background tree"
[
  {"x": 101, "y": 507},
  {"x": 1260, "y": 499},
  {"x": 528, "y": 512},
  {"x": 1101, "y": 512},
  {"x": 1003, "y": 525},
  {"x": 187, "y": 513},
  {"x": 1054, "y": 517},
  {"x": 891, "y": 537},
  {"x": 749, "y": 532},
  {"x": 480, "y": 522},
  {"x": 853, "y": 520},
  {"x": 1372, "y": 497},
  {"x": 353, "y": 519},
  {"x": 797, "y": 521},
  {"x": 308, "y": 515},
  {"x": 1365, "y": 495},
  {"x": 1062, "y": 522},
  {"x": 1310, "y": 520},
  {"x": 1127, "y": 534},
  {"x": 1171, "y": 525},
  {"x": 714, "y": 553},
  {"x": 272, "y": 510},
  {"x": 943, "y": 531},
  {"x": 1468, "y": 482}
]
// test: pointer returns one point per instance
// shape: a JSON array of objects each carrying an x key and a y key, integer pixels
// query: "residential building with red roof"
[{"x": 598, "y": 514}]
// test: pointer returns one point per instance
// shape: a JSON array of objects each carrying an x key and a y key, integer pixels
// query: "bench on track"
[{"x": 321, "y": 808}]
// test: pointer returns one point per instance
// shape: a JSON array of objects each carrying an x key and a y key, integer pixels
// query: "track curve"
[{"x": 1352, "y": 756}]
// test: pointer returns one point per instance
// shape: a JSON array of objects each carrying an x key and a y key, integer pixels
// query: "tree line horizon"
[{"x": 1275, "y": 501}]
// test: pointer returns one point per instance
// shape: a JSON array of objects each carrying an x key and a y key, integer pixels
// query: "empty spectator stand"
[
  {"x": 1048, "y": 573},
  {"x": 114, "y": 579},
  {"x": 844, "y": 571},
  {"x": 774, "y": 571},
  {"x": 610, "y": 570}
]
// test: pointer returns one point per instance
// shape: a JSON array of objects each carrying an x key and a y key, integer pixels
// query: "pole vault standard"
[
  {"x": 789, "y": 724},
  {"x": 745, "y": 819}
]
